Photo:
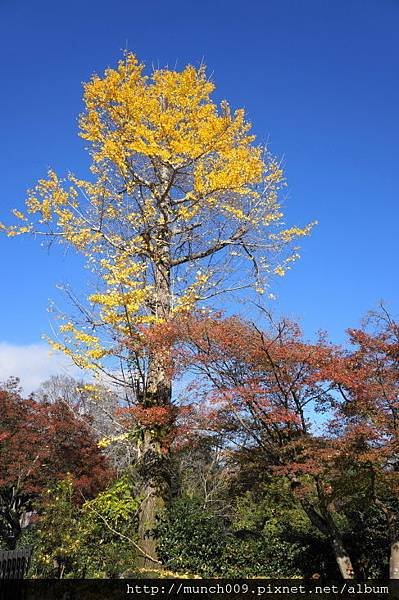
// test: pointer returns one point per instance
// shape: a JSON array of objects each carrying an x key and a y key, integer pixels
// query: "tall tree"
[
  {"x": 368, "y": 420},
  {"x": 262, "y": 389},
  {"x": 181, "y": 205}
]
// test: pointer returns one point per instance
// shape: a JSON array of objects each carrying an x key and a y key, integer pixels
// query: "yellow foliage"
[
  {"x": 107, "y": 441},
  {"x": 176, "y": 179}
]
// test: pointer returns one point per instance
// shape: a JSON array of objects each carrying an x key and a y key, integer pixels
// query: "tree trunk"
[
  {"x": 342, "y": 557},
  {"x": 154, "y": 467},
  {"x": 154, "y": 491},
  {"x": 393, "y": 529},
  {"x": 394, "y": 561},
  {"x": 324, "y": 522}
]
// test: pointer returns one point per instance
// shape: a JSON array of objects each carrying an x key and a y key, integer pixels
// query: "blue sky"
[{"x": 319, "y": 80}]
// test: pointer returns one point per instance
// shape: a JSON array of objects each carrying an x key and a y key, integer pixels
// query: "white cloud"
[{"x": 33, "y": 364}]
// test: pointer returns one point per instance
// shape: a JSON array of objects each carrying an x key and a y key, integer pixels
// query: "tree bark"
[
  {"x": 325, "y": 524},
  {"x": 342, "y": 558},
  {"x": 154, "y": 473},
  {"x": 393, "y": 534},
  {"x": 329, "y": 529},
  {"x": 394, "y": 561},
  {"x": 154, "y": 469}
]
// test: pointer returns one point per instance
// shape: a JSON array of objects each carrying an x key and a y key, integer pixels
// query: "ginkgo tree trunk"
[{"x": 181, "y": 205}]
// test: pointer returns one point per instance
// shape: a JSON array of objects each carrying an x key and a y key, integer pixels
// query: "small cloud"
[{"x": 33, "y": 364}]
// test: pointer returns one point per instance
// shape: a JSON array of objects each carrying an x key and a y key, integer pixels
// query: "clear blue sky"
[{"x": 319, "y": 79}]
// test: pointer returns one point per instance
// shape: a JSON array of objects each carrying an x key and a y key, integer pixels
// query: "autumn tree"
[
  {"x": 262, "y": 389},
  {"x": 367, "y": 421},
  {"x": 180, "y": 206},
  {"x": 96, "y": 405},
  {"x": 39, "y": 444}
]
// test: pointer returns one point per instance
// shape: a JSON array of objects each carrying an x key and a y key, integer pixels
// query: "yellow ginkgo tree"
[{"x": 181, "y": 205}]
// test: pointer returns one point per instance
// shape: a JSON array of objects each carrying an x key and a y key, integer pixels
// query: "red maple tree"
[
  {"x": 39, "y": 444},
  {"x": 263, "y": 390},
  {"x": 367, "y": 421}
]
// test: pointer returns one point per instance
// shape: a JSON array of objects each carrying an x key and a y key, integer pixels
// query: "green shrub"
[
  {"x": 195, "y": 540},
  {"x": 191, "y": 539},
  {"x": 91, "y": 541}
]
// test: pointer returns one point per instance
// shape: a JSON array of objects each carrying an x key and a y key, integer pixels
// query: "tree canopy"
[{"x": 181, "y": 204}]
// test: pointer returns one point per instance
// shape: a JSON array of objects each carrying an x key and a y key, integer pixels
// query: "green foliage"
[
  {"x": 269, "y": 507},
  {"x": 259, "y": 555},
  {"x": 57, "y": 539},
  {"x": 265, "y": 534},
  {"x": 309, "y": 552},
  {"x": 191, "y": 539},
  {"x": 107, "y": 528},
  {"x": 195, "y": 540},
  {"x": 92, "y": 541},
  {"x": 368, "y": 541},
  {"x": 258, "y": 545}
]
